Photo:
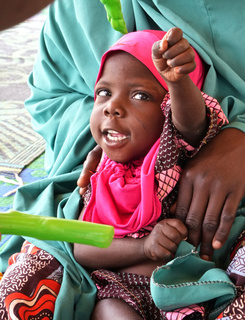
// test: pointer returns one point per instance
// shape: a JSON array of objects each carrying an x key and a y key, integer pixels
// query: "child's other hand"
[
  {"x": 163, "y": 241},
  {"x": 173, "y": 56}
]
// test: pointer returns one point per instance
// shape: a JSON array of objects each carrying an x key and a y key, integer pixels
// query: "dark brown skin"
[
  {"x": 16, "y": 11},
  {"x": 143, "y": 255}
]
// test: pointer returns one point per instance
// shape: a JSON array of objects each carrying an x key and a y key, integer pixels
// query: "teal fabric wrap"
[
  {"x": 72, "y": 42},
  {"x": 188, "y": 280}
]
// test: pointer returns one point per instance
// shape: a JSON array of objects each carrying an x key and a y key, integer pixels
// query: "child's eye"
[
  {"x": 141, "y": 96},
  {"x": 103, "y": 93}
]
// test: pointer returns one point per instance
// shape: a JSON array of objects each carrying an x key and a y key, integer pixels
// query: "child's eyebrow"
[
  {"x": 103, "y": 82},
  {"x": 150, "y": 85},
  {"x": 142, "y": 84}
]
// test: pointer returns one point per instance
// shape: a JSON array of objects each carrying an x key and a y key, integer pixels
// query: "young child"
[{"x": 149, "y": 116}]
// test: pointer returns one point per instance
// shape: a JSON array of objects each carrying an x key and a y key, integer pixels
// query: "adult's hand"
[
  {"x": 211, "y": 187},
  {"x": 15, "y": 11}
]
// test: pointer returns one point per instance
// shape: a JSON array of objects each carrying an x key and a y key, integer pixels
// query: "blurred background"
[{"x": 21, "y": 149}]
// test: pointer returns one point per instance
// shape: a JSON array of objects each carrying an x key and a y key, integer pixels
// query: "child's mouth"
[{"x": 115, "y": 136}]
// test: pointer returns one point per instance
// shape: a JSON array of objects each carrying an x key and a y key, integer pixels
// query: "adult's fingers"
[
  {"x": 207, "y": 212},
  {"x": 195, "y": 216},
  {"x": 227, "y": 218},
  {"x": 211, "y": 221},
  {"x": 184, "y": 197},
  {"x": 211, "y": 187}
]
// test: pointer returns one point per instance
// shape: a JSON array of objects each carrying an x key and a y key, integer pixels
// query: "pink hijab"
[
  {"x": 139, "y": 45},
  {"x": 124, "y": 195}
]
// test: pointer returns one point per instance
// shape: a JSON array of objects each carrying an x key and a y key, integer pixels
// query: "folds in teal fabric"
[{"x": 187, "y": 280}]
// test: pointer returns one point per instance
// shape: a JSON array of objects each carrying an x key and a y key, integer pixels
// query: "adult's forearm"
[{"x": 16, "y": 11}]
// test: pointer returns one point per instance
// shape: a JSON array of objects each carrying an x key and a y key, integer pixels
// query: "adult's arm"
[{"x": 16, "y": 11}]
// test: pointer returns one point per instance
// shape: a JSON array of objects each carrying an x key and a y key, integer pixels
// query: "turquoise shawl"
[{"x": 72, "y": 41}]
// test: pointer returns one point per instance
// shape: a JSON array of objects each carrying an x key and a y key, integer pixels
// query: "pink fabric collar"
[{"x": 124, "y": 195}]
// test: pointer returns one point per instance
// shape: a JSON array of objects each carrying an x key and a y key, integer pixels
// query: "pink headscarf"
[
  {"x": 124, "y": 195},
  {"x": 139, "y": 45}
]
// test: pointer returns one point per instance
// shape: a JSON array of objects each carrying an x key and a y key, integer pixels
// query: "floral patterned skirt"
[{"x": 30, "y": 285}]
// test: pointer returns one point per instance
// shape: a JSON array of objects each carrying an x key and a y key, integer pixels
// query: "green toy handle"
[
  {"x": 47, "y": 228},
  {"x": 114, "y": 15}
]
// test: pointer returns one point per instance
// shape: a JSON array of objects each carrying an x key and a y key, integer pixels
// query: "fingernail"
[
  {"x": 205, "y": 257},
  {"x": 167, "y": 35},
  {"x": 161, "y": 43},
  {"x": 217, "y": 244},
  {"x": 177, "y": 69}
]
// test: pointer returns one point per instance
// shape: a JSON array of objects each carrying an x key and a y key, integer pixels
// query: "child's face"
[{"x": 127, "y": 119}]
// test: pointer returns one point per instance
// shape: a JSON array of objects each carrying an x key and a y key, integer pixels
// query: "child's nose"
[{"x": 114, "y": 108}]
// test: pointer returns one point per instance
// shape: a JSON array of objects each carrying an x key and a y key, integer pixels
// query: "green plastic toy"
[
  {"x": 114, "y": 15},
  {"x": 47, "y": 228}
]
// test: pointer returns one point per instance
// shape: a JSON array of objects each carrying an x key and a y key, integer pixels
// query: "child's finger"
[
  {"x": 175, "y": 50},
  {"x": 159, "y": 48},
  {"x": 185, "y": 58},
  {"x": 173, "y": 36},
  {"x": 163, "y": 45},
  {"x": 178, "y": 230},
  {"x": 185, "y": 69},
  {"x": 157, "y": 55}
]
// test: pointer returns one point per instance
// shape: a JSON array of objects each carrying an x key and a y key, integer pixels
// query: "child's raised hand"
[
  {"x": 163, "y": 241},
  {"x": 173, "y": 56}
]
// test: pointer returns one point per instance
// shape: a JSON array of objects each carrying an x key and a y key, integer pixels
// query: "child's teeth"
[{"x": 115, "y": 136}]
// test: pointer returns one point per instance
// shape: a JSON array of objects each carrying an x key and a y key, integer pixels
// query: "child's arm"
[
  {"x": 175, "y": 59},
  {"x": 160, "y": 244}
]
